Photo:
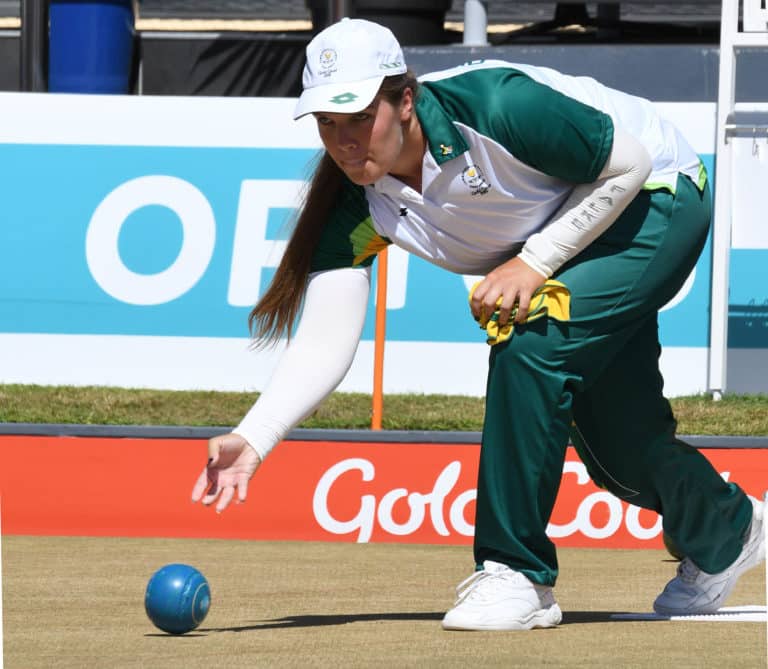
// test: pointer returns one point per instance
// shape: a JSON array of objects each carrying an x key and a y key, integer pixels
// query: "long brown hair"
[{"x": 275, "y": 313}]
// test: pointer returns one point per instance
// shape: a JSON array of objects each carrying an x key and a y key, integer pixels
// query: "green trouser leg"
[
  {"x": 627, "y": 442},
  {"x": 525, "y": 433},
  {"x": 548, "y": 370}
]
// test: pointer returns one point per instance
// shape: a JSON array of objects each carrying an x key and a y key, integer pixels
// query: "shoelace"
[{"x": 474, "y": 585}]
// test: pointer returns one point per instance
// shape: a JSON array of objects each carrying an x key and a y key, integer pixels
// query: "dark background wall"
[
  {"x": 661, "y": 51},
  {"x": 9, "y": 60}
]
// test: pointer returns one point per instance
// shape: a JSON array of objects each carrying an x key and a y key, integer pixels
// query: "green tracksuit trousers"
[{"x": 597, "y": 377}]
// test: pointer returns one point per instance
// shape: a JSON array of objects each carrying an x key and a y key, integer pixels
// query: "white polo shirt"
[{"x": 506, "y": 144}]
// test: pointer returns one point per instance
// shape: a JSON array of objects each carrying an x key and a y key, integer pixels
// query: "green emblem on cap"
[{"x": 343, "y": 98}]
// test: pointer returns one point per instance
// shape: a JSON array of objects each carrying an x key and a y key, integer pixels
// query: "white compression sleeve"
[
  {"x": 591, "y": 208},
  {"x": 315, "y": 361}
]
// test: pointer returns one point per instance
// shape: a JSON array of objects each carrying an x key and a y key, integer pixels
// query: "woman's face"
[{"x": 366, "y": 145}]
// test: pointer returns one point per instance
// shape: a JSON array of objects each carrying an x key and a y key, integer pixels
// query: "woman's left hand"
[{"x": 513, "y": 281}]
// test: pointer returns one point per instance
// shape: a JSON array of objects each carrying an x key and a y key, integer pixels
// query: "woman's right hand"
[{"x": 231, "y": 464}]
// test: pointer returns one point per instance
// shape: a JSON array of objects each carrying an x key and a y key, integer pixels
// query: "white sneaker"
[
  {"x": 499, "y": 598},
  {"x": 694, "y": 591}
]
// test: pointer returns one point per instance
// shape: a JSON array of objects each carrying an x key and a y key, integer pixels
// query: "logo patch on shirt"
[{"x": 473, "y": 177}]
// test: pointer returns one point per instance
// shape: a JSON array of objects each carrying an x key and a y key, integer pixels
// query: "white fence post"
[{"x": 730, "y": 123}]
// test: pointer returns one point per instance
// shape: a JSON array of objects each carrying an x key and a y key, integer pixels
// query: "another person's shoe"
[
  {"x": 694, "y": 592},
  {"x": 499, "y": 598}
]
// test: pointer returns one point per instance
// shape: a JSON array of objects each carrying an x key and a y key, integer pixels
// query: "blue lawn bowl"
[{"x": 177, "y": 598}]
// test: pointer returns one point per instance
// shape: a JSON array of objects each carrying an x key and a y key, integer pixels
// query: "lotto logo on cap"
[{"x": 345, "y": 66}]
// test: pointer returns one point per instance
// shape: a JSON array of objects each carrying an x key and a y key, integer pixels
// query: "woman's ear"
[{"x": 406, "y": 105}]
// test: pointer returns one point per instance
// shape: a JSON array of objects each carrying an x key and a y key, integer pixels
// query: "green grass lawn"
[{"x": 737, "y": 415}]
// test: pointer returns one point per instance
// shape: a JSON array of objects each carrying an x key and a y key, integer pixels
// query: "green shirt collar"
[{"x": 444, "y": 140}]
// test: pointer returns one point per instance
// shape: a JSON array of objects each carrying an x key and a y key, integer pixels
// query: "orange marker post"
[{"x": 377, "y": 409}]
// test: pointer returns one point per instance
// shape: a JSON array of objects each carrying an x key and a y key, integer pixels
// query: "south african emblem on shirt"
[{"x": 473, "y": 177}]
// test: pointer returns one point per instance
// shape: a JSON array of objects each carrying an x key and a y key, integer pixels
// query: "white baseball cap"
[{"x": 346, "y": 64}]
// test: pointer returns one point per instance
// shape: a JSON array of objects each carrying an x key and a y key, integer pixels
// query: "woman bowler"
[{"x": 584, "y": 211}]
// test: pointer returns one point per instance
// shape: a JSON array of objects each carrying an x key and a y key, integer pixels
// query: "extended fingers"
[
  {"x": 226, "y": 493},
  {"x": 242, "y": 487},
  {"x": 213, "y": 491},
  {"x": 226, "y": 497},
  {"x": 207, "y": 485},
  {"x": 201, "y": 485},
  {"x": 231, "y": 463}
]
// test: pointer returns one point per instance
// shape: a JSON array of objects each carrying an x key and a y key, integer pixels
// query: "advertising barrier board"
[{"x": 305, "y": 491}]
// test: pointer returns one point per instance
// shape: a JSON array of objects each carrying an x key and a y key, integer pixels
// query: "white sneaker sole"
[{"x": 542, "y": 618}]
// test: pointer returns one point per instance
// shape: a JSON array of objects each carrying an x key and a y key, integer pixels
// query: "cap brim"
[{"x": 344, "y": 98}]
